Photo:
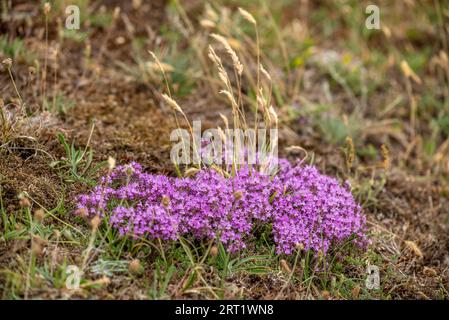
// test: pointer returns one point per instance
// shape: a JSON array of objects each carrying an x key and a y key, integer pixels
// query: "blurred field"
[{"x": 368, "y": 106}]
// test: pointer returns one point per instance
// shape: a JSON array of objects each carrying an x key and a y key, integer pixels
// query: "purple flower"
[{"x": 304, "y": 207}]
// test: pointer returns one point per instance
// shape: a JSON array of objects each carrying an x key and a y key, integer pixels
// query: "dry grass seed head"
[
  {"x": 225, "y": 120},
  {"x": 7, "y": 63},
  {"x": 238, "y": 195},
  {"x": 213, "y": 251},
  {"x": 229, "y": 96},
  {"x": 223, "y": 76},
  {"x": 208, "y": 24},
  {"x": 210, "y": 13},
  {"x": 95, "y": 222},
  {"x": 213, "y": 56},
  {"x": 37, "y": 245},
  {"x": 165, "y": 201},
  {"x": 191, "y": 172},
  {"x": 386, "y": 157},
  {"x": 409, "y": 73},
  {"x": 265, "y": 73},
  {"x": 135, "y": 267},
  {"x": 172, "y": 103},
  {"x": 39, "y": 215},
  {"x": 356, "y": 292},
  {"x": 36, "y": 248},
  {"x": 284, "y": 266},
  {"x": 222, "y": 134},
  {"x": 47, "y": 8},
  {"x": 136, "y": 4},
  {"x": 81, "y": 212},
  {"x": 248, "y": 16},
  {"x": 24, "y": 202},
  {"x": 273, "y": 115},
  {"x": 111, "y": 163},
  {"x": 162, "y": 67},
  {"x": 350, "y": 156},
  {"x": 235, "y": 59},
  {"x": 414, "y": 248},
  {"x": 116, "y": 13},
  {"x": 325, "y": 295}
]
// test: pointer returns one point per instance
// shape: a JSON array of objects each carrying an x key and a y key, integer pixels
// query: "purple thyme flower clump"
[
  {"x": 304, "y": 207},
  {"x": 314, "y": 211}
]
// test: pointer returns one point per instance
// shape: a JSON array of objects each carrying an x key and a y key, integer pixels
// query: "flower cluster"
[{"x": 304, "y": 207}]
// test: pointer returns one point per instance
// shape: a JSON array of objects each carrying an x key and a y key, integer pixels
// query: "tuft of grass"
[
  {"x": 77, "y": 165},
  {"x": 59, "y": 104}
]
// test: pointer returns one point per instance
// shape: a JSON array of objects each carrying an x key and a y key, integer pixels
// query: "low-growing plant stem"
[
  {"x": 31, "y": 258},
  {"x": 44, "y": 74},
  {"x": 298, "y": 252},
  {"x": 89, "y": 248},
  {"x": 53, "y": 216},
  {"x": 15, "y": 87}
]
